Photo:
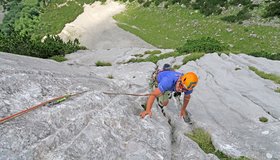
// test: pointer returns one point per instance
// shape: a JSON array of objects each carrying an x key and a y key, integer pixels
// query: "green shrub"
[
  {"x": 273, "y": 9},
  {"x": 101, "y": 63},
  {"x": 7, "y": 25},
  {"x": 237, "y": 2},
  {"x": 24, "y": 45},
  {"x": 207, "y": 45},
  {"x": 203, "y": 139},
  {"x": 263, "y": 119},
  {"x": 277, "y": 90},
  {"x": 28, "y": 20},
  {"x": 241, "y": 16},
  {"x": 58, "y": 58},
  {"x": 158, "y": 2},
  {"x": 273, "y": 56},
  {"x": 8, "y": 4},
  {"x": 147, "y": 3},
  {"x": 208, "y": 7}
]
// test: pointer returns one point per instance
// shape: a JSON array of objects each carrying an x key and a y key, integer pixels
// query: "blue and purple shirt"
[{"x": 167, "y": 81}]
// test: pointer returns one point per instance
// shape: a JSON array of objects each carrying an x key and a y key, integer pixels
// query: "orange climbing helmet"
[{"x": 189, "y": 80}]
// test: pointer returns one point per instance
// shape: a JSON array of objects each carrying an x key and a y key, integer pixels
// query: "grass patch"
[
  {"x": 263, "y": 119},
  {"x": 101, "y": 64},
  {"x": 154, "y": 58},
  {"x": 58, "y": 58},
  {"x": 192, "y": 57},
  {"x": 273, "y": 77},
  {"x": 203, "y": 139},
  {"x": 172, "y": 27},
  {"x": 277, "y": 90},
  {"x": 204, "y": 44}
]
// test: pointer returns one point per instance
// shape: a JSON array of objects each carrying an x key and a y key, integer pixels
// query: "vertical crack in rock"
[{"x": 247, "y": 97}]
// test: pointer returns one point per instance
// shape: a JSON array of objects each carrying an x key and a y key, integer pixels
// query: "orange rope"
[
  {"x": 2, "y": 120},
  {"x": 130, "y": 94}
]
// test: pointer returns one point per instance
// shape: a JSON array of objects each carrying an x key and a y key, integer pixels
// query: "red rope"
[{"x": 2, "y": 120}]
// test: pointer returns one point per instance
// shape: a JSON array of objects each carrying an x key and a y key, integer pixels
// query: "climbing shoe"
[
  {"x": 166, "y": 66},
  {"x": 176, "y": 94},
  {"x": 187, "y": 119}
]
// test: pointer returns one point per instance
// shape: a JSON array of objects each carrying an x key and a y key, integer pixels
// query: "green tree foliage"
[
  {"x": 208, "y": 7},
  {"x": 273, "y": 9},
  {"x": 243, "y": 2},
  {"x": 7, "y": 4},
  {"x": 11, "y": 17},
  {"x": 28, "y": 20},
  {"x": 24, "y": 45},
  {"x": 242, "y": 15},
  {"x": 17, "y": 28}
]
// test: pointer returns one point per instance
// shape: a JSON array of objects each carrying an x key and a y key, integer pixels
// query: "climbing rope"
[
  {"x": 129, "y": 94},
  {"x": 48, "y": 102},
  {"x": 57, "y": 100}
]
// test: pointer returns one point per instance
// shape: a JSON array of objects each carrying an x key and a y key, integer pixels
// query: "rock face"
[
  {"x": 227, "y": 103},
  {"x": 92, "y": 125}
]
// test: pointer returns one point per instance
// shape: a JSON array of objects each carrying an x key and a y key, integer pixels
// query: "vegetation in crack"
[
  {"x": 154, "y": 57},
  {"x": 273, "y": 77},
  {"x": 237, "y": 69},
  {"x": 263, "y": 119},
  {"x": 102, "y": 63},
  {"x": 152, "y": 52},
  {"x": 173, "y": 26},
  {"x": 203, "y": 139},
  {"x": 58, "y": 58},
  {"x": 110, "y": 76}
]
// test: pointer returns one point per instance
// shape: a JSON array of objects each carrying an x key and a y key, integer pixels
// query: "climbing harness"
[{"x": 48, "y": 103}]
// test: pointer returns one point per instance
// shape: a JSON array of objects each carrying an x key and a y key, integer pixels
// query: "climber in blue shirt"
[{"x": 170, "y": 81}]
